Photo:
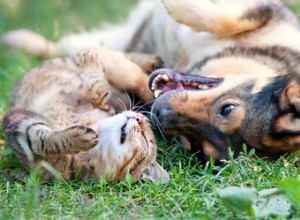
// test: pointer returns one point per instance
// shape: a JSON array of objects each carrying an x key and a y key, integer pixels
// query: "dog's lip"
[{"x": 164, "y": 80}]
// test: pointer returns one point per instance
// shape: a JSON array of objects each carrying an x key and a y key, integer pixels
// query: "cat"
[{"x": 64, "y": 112}]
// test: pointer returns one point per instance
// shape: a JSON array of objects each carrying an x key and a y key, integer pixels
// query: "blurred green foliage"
[{"x": 54, "y": 18}]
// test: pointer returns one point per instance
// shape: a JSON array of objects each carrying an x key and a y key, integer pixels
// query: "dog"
[{"x": 231, "y": 76}]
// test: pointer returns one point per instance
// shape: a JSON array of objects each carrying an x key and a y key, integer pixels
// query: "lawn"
[{"x": 193, "y": 191}]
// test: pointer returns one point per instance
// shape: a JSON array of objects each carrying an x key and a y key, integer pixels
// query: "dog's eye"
[{"x": 227, "y": 109}]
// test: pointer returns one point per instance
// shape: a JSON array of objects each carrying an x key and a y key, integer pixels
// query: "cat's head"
[{"x": 127, "y": 145}]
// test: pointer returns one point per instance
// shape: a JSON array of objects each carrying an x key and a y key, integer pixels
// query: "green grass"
[{"x": 192, "y": 191}]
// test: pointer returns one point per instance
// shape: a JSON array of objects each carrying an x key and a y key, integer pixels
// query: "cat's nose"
[{"x": 137, "y": 117}]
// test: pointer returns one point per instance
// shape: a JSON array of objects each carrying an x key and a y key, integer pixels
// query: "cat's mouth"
[
  {"x": 163, "y": 80},
  {"x": 123, "y": 134},
  {"x": 133, "y": 125}
]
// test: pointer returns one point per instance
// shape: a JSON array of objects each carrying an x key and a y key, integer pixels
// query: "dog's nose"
[{"x": 162, "y": 113}]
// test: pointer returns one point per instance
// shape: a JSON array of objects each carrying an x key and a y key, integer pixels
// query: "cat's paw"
[
  {"x": 88, "y": 60},
  {"x": 81, "y": 138},
  {"x": 94, "y": 80}
]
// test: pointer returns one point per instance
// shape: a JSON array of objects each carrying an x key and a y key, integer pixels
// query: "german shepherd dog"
[{"x": 233, "y": 74}]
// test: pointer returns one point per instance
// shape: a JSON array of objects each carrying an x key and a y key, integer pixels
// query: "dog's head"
[{"x": 240, "y": 96}]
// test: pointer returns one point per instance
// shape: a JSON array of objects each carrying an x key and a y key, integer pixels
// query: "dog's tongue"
[
  {"x": 163, "y": 80},
  {"x": 173, "y": 85}
]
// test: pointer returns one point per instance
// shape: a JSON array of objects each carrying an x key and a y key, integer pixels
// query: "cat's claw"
[{"x": 89, "y": 60}]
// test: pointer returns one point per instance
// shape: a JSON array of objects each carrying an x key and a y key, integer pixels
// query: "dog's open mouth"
[{"x": 164, "y": 80}]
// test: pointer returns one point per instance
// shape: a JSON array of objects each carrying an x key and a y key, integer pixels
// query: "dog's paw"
[
  {"x": 154, "y": 63},
  {"x": 148, "y": 63}
]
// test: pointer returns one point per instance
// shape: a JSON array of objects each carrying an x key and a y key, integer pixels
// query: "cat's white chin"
[
  {"x": 127, "y": 145},
  {"x": 120, "y": 138}
]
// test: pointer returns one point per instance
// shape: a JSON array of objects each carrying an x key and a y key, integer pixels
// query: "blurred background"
[{"x": 56, "y": 17}]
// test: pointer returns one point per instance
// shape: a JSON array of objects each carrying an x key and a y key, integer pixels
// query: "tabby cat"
[{"x": 63, "y": 112}]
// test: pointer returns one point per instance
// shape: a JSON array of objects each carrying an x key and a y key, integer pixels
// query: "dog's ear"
[
  {"x": 290, "y": 97},
  {"x": 289, "y": 102},
  {"x": 156, "y": 174}
]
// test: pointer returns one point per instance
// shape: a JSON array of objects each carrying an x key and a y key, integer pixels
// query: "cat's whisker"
[
  {"x": 138, "y": 107},
  {"x": 123, "y": 105},
  {"x": 130, "y": 100},
  {"x": 154, "y": 118}
]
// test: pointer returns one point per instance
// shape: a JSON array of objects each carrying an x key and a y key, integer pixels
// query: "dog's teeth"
[
  {"x": 194, "y": 84},
  {"x": 157, "y": 93},
  {"x": 153, "y": 87},
  {"x": 156, "y": 81},
  {"x": 203, "y": 87},
  {"x": 165, "y": 77}
]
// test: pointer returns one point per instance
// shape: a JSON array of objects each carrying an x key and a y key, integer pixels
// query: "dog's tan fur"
[{"x": 252, "y": 46}]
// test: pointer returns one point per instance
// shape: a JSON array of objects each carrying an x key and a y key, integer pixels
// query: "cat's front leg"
[
  {"x": 96, "y": 86},
  {"x": 74, "y": 139},
  {"x": 28, "y": 132},
  {"x": 122, "y": 73}
]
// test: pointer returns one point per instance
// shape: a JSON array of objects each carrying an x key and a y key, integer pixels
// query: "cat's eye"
[{"x": 226, "y": 109}]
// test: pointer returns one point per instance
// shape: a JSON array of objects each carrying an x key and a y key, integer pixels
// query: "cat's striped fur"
[{"x": 63, "y": 112}]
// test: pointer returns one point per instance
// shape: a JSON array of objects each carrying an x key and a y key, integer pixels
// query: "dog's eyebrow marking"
[
  {"x": 274, "y": 57},
  {"x": 245, "y": 87}
]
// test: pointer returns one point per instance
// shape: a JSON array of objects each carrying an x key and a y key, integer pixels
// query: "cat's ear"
[{"x": 156, "y": 174}]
